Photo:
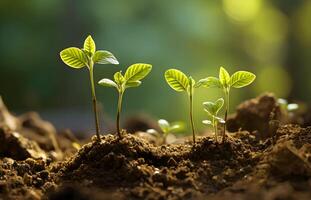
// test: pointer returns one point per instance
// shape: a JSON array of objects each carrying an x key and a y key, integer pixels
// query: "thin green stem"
[
  {"x": 191, "y": 114},
  {"x": 95, "y": 110},
  {"x": 227, "y": 100},
  {"x": 118, "y": 113},
  {"x": 215, "y": 129}
]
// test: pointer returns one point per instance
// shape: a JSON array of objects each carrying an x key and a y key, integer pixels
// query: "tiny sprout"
[
  {"x": 287, "y": 107},
  {"x": 87, "y": 56},
  {"x": 238, "y": 80},
  {"x": 212, "y": 108},
  {"x": 179, "y": 82},
  {"x": 166, "y": 129},
  {"x": 131, "y": 78}
]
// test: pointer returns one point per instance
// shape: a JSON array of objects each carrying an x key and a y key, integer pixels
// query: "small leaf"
[
  {"x": 89, "y": 45},
  {"x": 132, "y": 84},
  {"x": 177, "y": 80},
  {"x": 108, "y": 83},
  {"x": 176, "y": 126},
  {"x": 292, "y": 107},
  {"x": 73, "y": 57},
  {"x": 241, "y": 79},
  {"x": 224, "y": 77},
  {"x": 207, "y": 122},
  {"x": 118, "y": 78},
  {"x": 210, "y": 107},
  {"x": 210, "y": 82},
  {"x": 152, "y": 131},
  {"x": 104, "y": 57},
  {"x": 164, "y": 125},
  {"x": 137, "y": 72},
  {"x": 218, "y": 105},
  {"x": 220, "y": 120}
]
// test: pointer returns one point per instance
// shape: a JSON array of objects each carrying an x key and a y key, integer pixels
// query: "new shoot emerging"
[
  {"x": 86, "y": 57},
  {"x": 212, "y": 109},
  {"x": 166, "y": 129},
  {"x": 132, "y": 78}
]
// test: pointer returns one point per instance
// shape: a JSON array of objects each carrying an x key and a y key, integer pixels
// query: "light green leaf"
[
  {"x": 207, "y": 122},
  {"x": 218, "y": 104},
  {"x": 220, "y": 120},
  {"x": 132, "y": 84},
  {"x": 89, "y": 45},
  {"x": 176, "y": 126},
  {"x": 104, "y": 57},
  {"x": 210, "y": 82},
  {"x": 118, "y": 78},
  {"x": 164, "y": 125},
  {"x": 137, "y": 72},
  {"x": 177, "y": 80},
  {"x": 292, "y": 107},
  {"x": 108, "y": 83},
  {"x": 241, "y": 79},
  {"x": 224, "y": 77},
  {"x": 213, "y": 108},
  {"x": 73, "y": 57}
]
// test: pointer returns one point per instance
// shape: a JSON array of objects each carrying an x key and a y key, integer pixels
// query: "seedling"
[
  {"x": 131, "y": 78},
  {"x": 238, "y": 80},
  {"x": 287, "y": 107},
  {"x": 88, "y": 56},
  {"x": 179, "y": 82},
  {"x": 166, "y": 129},
  {"x": 212, "y": 109}
]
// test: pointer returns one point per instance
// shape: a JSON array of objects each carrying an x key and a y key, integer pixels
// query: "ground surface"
[{"x": 264, "y": 157}]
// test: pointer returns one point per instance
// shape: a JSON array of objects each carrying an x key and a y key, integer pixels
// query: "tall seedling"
[
  {"x": 88, "y": 56},
  {"x": 132, "y": 78},
  {"x": 179, "y": 82},
  {"x": 224, "y": 81}
]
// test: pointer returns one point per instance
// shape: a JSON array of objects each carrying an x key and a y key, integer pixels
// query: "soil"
[{"x": 264, "y": 157}]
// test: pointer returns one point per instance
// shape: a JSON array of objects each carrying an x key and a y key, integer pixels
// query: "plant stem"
[
  {"x": 215, "y": 129},
  {"x": 226, "y": 114},
  {"x": 91, "y": 65},
  {"x": 191, "y": 115},
  {"x": 118, "y": 113}
]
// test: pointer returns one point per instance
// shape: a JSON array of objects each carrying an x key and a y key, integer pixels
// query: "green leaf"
[
  {"x": 108, "y": 83},
  {"x": 104, "y": 57},
  {"x": 118, "y": 78},
  {"x": 73, "y": 57},
  {"x": 241, "y": 79},
  {"x": 224, "y": 77},
  {"x": 177, "y": 80},
  {"x": 137, "y": 72},
  {"x": 207, "y": 122},
  {"x": 132, "y": 84},
  {"x": 176, "y": 126},
  {"x": 219, "y": 104},
  {"x": 213, "y": 108},
  {"x": 89, "y": 45},
  {"x": 210, "y": 82},
  {"x": 164, "y": 125}
]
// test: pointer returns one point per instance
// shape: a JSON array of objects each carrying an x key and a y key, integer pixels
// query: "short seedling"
[
  {"x": 287, "y": 107},
  {"x": 166, "y": 129},
  {"x": 87, "y": 56},
  {"x": 131, "y": 78},
  {"x": 212, "y": 108},
  {"x": 178, "y": 81},
  {"x": 238, "y": 80}
]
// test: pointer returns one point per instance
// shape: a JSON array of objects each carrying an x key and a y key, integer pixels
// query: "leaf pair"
[
  {"x": 131, "y": 78},
  {"x": 78, "y": 58},
  {"x": 166, "y": 127},
  {"x": 212, "y": 108},
  {"x": 237, "y": 80}
]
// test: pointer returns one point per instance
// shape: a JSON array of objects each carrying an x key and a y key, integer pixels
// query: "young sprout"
[
  {"x": 287, "y": 107},
  {"x": 238, "y": 80},
  {"x": 131, "y": 78},
  {"x": 88, "y": 56},
  {"x": 212, "y": 108},
  {"x": 178, "y": 81},
  {"x": 166, "y": 129}
]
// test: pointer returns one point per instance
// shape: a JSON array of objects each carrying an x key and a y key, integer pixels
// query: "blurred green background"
[{"x": 269, "y": 38}]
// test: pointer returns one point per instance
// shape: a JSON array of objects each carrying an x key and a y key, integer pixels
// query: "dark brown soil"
[{"x": 263, "y": 159}]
